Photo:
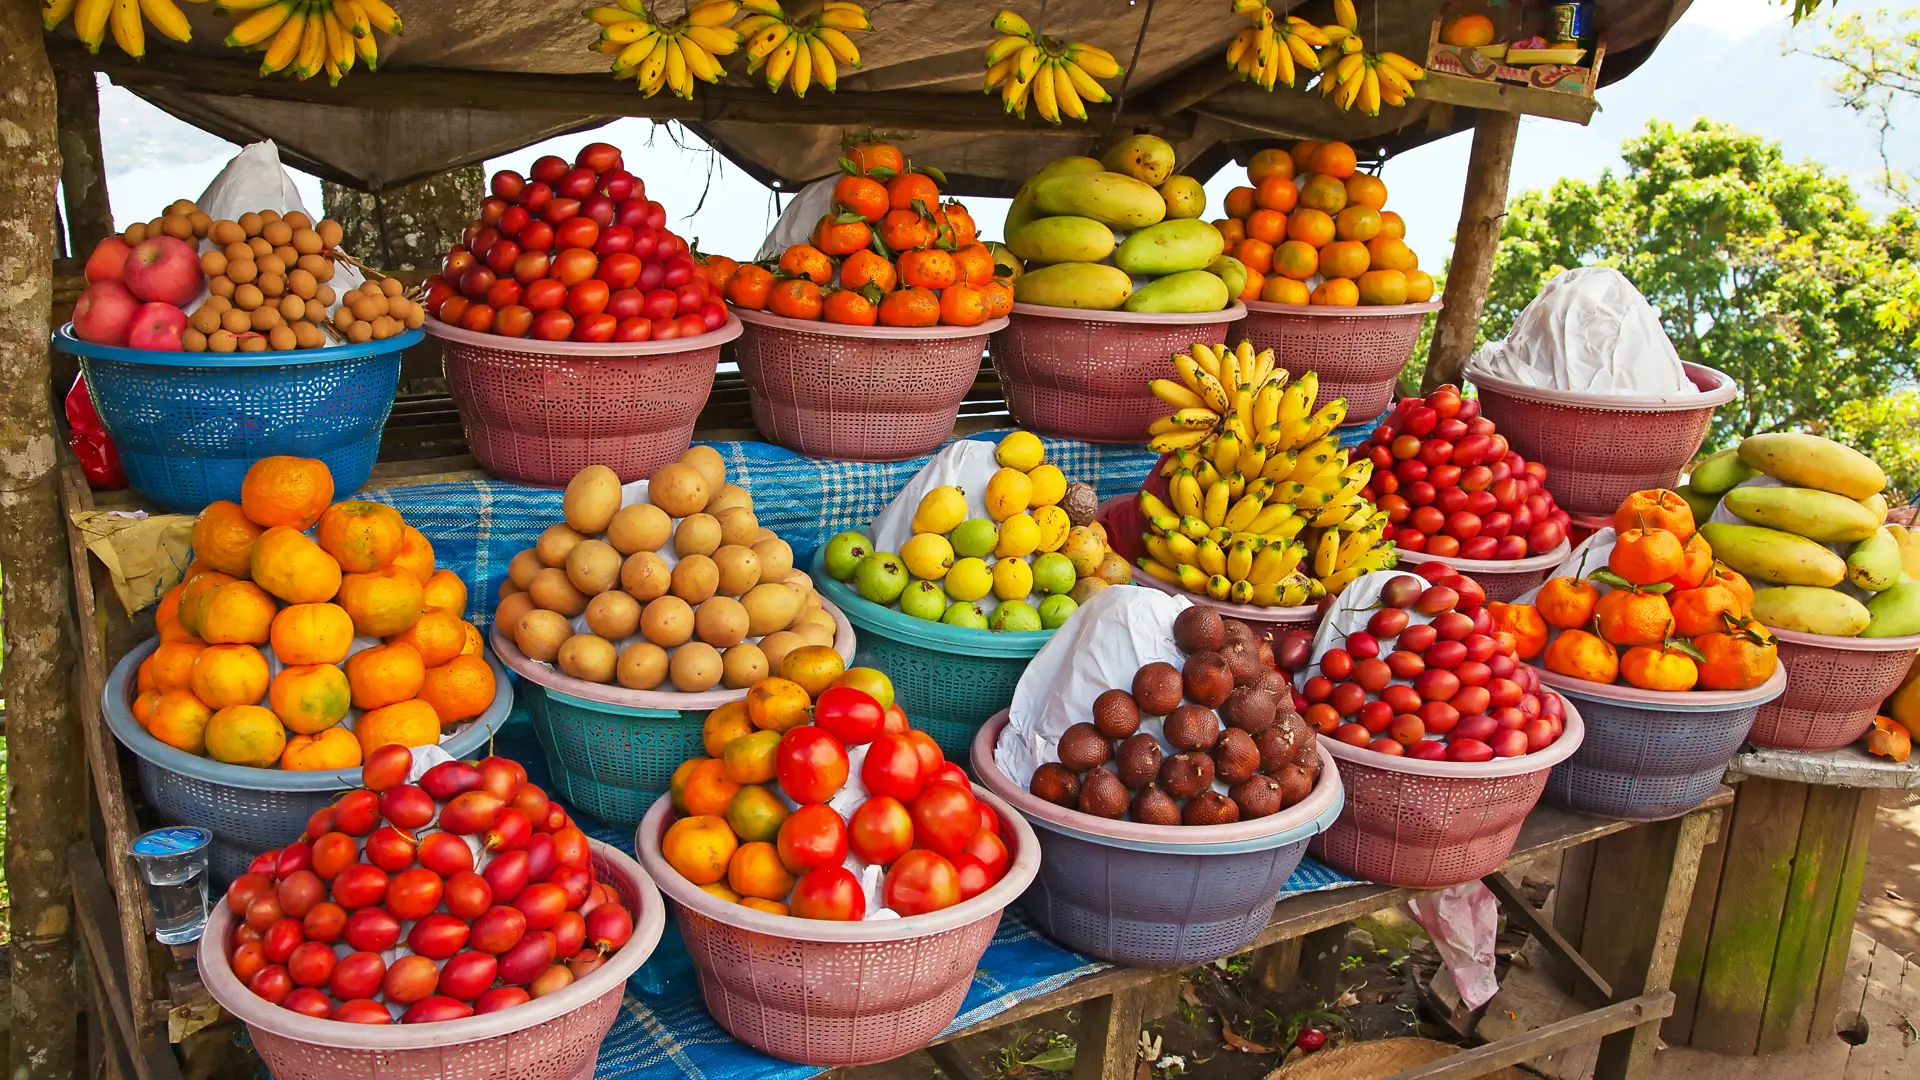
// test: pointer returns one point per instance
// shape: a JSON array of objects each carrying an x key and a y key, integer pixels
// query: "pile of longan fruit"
[{"x": 376, "y": 311}]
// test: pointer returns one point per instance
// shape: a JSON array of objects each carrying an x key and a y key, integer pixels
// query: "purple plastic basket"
[
  {"x": 1147, "y": 896},
  {"x": 1650, "y": 755}
]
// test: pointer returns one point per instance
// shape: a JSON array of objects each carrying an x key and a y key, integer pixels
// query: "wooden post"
[
  {"x": 39, "y": 656},
  {"x": 83, "y": 172},
  {"x": 1482, "y": 210}
]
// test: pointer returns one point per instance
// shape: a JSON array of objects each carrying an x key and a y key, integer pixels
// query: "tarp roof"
[{"x": 475, "y": 80}]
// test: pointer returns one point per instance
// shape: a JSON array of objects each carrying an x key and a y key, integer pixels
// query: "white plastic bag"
[
  {"x": 254, "y": 181},
  {"x": 1464, "y": 923},
  {"x": 968, "y": 465},
  {"x": 1589, "y": 331},
  {"x": 1355, "y": 606}
]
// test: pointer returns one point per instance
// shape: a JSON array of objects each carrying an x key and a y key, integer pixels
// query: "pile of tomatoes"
[
  {"x": 772, "y": 816},
  {"x": 482, "y": 886},
  {"x": 890, "y": 253},
  {"x": 574, "y": 253}
]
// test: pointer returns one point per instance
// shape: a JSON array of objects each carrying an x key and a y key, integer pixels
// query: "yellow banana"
[
  {"x": 166, "y": 17},
  {"x": 1244, "y": 512},
  {"x": 1214, "y": 393},
  {"x": 1239, "y": 560},
  {"x": 608, "y": 16},
  {"x": 1192, "y": 578},
  {"x": 1192, "y": 527},
  {"x": 1044, "y": 102},
  {"x": 999, "y": 73},
  {"x": 1306, "y": 31},
  {"x": 651, "y": 73},
  {"x": 368, "y": 48},
  {"x": 1065, "y": 95},
  {"x": 1226, "y": 452},
  {"x": 55, "y": 13},
  {"x": 679, "y": 78},
  {"x": 1275, "y": 561},
  {"x": 800, "y": 77},
  {"x": 1239, "y": 46},
  {"x": 1083, "y": 83},
  {"x": 338, "y": 48},
  {"x": 1296, "y": 400},
  {"x": 1010, "y": 22},
  {"x": 1184, "y": 490},
  {"x": 1280, "y": 464},
  {"x": 1345, "y": 15},
  {"x": 1189, "y": 371},
  {"x": 1391, "y": 81},
  {"x": 1152, "y": 506},
  {"x": 631, "y": 56},
  {"x": 246, "y": 33},
  {"x": 283, "y": 45},
  {"x": 764, "y": 41},
  {"x": 128, "y": 31},
  {"x": 1096, "y": 62},
  {"x": 1204, "y": 473},
  {"x": 352, "y": 18},
  {"x": 1235, "y": 483},
  {"x": 1214, "y": 507},
  {"x": 1176, "y": 440},
  {"x": 844, "y": 16},
  {"x": 781, "y": 60},
  {"x": 1005, "y": 47},
  {"x": 1270, "y": 516},
  {"x": 758, "y": 7},
  {"x": 1177, "y": 395},
  {"x": 712, "y": 12},
  {"x": 630, "y": 31},
  {"x": 1252, "y": 459},
  {"x": 839, "y": 44},
  {"x": 382, "y": 15},
  {"x": 1184, "y": 548},
  {"x": 1327, "y": 418},
  {"x": 1014, "y": 92},
  {"x": 825, "y": 72},
  {"x": 713, "y": 41},
  {"x": 1219, "y": 587},
  {"x": 1369, "y": 97},
  {"x": 1213, "y": 558},
  {"x": 313, "y": 45},
  {"x": 1403, "y": 67},
  {"x": 753, "y": 24},
  {"x": 1156, "y": 569},
  {"x": 1160, "y": 549}
]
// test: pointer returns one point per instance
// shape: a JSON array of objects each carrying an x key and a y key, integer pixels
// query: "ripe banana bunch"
[
  {"x": 659, "y": 55},
  {"x": 1340, "y": 555},
  {"x": 1268, "y": 51},
  {"x": 1240, "y": 399},
  {"x": 800, "y": 53},
  {"x": 1058, "y": 78},
  {"x": 93, "y": 18},
  {"x": 306, "y": 37}
]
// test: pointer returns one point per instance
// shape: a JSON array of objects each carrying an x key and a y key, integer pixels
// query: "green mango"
[
  {"x": 1721, "y": 473},
  {"x": 1061, "y": 239},
  {"x": 1809, "y": 512},
  {"x": 1023, "y": 209},
  {"x": 1702, "y": 503},
  {"x": 1191, "y": 290},
  {"x": 1896, "y": 612},
  {"x": 1772, "y": 556},
  {"x": 1810, "y": 610},
  {"x": 1147, "y": 158},
  {"x": 1171, "y": 247},
  {"x": 1117, "y": 201},
  {"x": 1091, "y": 286},
  {"x": 1813, "y": 462},
  {"x": 1873, "y": 564},
  {"x": 1231, "y": 271}
]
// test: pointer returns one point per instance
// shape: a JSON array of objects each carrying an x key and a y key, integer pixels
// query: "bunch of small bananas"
[
  {"x": 306, "y": 37},
  {"x": 799, "y": 53},
  {"x": 660, "y": 55},
  {"x": 1350, "y": 75},
  {"x": 92, "y": 18},
  {"x": 1269, "y": 51},
  {"x": 1058, "y": 78}
]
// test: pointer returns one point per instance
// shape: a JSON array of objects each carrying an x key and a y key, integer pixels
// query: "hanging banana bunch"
[
  {"x": 92, "y": 19},
  {"x": 306, "y": 37},
  {"x": 1352, "y": 76},
  {"x": 800, "y": 52},
  {"x": 1268, "y": 51},
  {"x": 1058, "y": 78},
  {"x": 671, "y": 56}
]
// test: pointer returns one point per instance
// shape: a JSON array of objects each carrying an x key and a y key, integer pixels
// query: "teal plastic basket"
[{"x": 950, "y": 679}]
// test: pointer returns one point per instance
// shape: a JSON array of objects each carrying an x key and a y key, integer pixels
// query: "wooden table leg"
[
  {"x": 1108, "y": 1045},
  {"x": 1276, "y": 966},
  {"x": 1649, "y": 933}
]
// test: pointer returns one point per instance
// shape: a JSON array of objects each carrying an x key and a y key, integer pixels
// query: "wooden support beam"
[
  {"x": 1475, "y": 242},
  {"x": 94, "y": 905},
  {"x": 83, "y": 171},
  {"x": 1522, "y": 911},
  {"x": 1643, "y": 1011},
  {"x": 1109, "y": 1039},
  {"x": 39, "y": 654}
]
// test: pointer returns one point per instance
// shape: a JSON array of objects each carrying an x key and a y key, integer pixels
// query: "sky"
[{"x": 153, "y": 159}]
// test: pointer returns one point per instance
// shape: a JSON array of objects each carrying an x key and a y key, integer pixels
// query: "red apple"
[
  {"x": 104, "y": 313},
  {"x": 108, "y": 260},
  {"x": 162, "y": 270},
  {"x": 156, "y": 327}
]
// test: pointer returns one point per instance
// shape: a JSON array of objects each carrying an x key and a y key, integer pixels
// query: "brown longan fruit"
[
  {"x": 271, "y": 263},
  {"x": 253, "y": 343},
  {"x": 292, "y": 308},
  {"x": 260, "y": 246},
  {"x": 329, "y": 231},
  {"x": 298, "y": 219},
  {"x": 391, "y": 286},
  {"x": 384, "y": 327},
  {"x": 157, "y": 227},
  {"x": 201, "y": 223},
  {"x": 307, "y": 242},
  {"x": 236, "y": 321},
  {"x": 265, "y": 318},
  {"x": 316, "y": 312},
  {"x": 323, "y": 292},
  {"x": 360, "y": 333},
  {"x": 247, "y": 297},
  {"x": 224, "y": 232},
  {"x": 286, "y": 254},
  {"x": 177, "y": 226},
  {"x": 213, "y": 263},
  {"x": 416, "y": 317},
  {"x": 276, "y": 232},
  {"x": 205, "y": 319},
  {"x": 220, "y": 304},
  {"x": 135, "y": 233},
  {"x": 271, "y": 285},
  {"x": 308, "y": 336},
  {"x": 241, "y": 271},
  {"x": 319, "y": 266},
  {"x": 281, "y": 338},
  {"x": 343, "y": 319},
  {"x": 250, "y": 223},
  {"x": 301, "y": 284},
  {"x": 238, "y": 252},
  {"x": 221, "y": 341},
  {"x": 220, "y": 288},
  {"x": 363, "y": 309},
  {"x": 193, "y": 340},
  {"x": 181, "y": 206}
]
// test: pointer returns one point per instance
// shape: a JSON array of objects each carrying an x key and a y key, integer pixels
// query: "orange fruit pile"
[
  {"x": 890, "y": 253},
  {"x": 253, "y": 665},
  {"x": 1671, "y": 617},
  {"x": 1313, "y": 230}
]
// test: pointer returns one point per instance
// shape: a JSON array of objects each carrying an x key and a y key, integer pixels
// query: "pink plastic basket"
[
  {"x": 1834, "y": 688},
  {"x": 1357, "y": 352},
  {"x": 1501, "y": 579},
  {"x": 1083, "y": 374},
  {"x": 1434, "y": 824},
  {"x": 1600, "y": 449},
  {"x": 863, "y": 393},
  {"x": 540, "y": 411},
  {"x": 1262, "y": 620},
  {"x": 833, "y": 993},
  {"x": 556, "y": 1037}
]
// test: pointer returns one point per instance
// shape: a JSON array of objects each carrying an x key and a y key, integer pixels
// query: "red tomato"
[
  {"x": 513, "y": 219},
  {"x": 479, "y": 318},
  {"x": 530, "y": 267},
  {"x": 812, "y": 837},
  {"x": 544, "y": 294},
  {"x": 577, "y": 232},
  {"x": 571, "y": 267},
  {"x": 892, "y": 767},
  {"x": 810, "y": 763},
  {"x": 881, "y": 830},
  {"x": 949, "y": 773},
  {"x": 896, "y": 721},
  {"x": 414, "y": 893},
  {"x": 930, "y": 756},
  {"x": 626, "y": 304},
  {"x": 989, "y": 821},
  {"x": 504, "y": 293},
  {"x": 614, "y": 240},
  {"x": 919, "y": 882},
  {"x": 991, "y": 852},
  {"x": 549, "y": 168},
  {"x": 944, "y": 818},
  {"x": 831, "y": 892},
  {"x": 848, "y": 714},
  {"x": 634, "y": 329},
  {"x": 691, "y": 325},
  {"x": 362, "y": 1011},
  {"x": 974, "y": 879},
  {"x": 502, "y": 255},
  {"x": 588, "y": 298},
  {"x": 553, "y": 326},
  {"x": 514, "y": 320},
  {"x": 536, "y": 236},
  {"x": 560, "y": 210},
  {"x": 619, "y": 270},
  {"x": 659, "y": 304}
]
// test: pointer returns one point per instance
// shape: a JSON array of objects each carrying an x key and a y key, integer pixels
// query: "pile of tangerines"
[
  {"x": 296, "y": 612},
  {"x": 1663, "y": 614},
  {"x": 890, "y": 253},
  {"x": 1313, "y": 230}
]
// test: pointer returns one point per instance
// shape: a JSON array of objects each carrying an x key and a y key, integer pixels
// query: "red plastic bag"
[{"x": 90, "y": 441}]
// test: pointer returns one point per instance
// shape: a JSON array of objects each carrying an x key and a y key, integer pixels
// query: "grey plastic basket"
[
  {"x": 249, "y": 810},
  {"x": 1651, "y": 755},
  {"x": 1161, "y": 902}
]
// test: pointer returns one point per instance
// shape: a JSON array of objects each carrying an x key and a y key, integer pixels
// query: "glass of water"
[{"x": 173, "y": 861}]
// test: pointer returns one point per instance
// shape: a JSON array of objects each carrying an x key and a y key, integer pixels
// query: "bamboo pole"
[
  {"x": 1482, "y": 210},
  {"x": 83, "y": 174},
  {"x": 39, "y": 658}
]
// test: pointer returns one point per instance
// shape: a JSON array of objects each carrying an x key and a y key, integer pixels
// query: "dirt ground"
[{"x": 1890, "y": 888}]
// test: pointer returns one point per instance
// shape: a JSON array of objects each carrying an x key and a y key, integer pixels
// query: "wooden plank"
[
  {"x": 1849, "y": 766},
  {"x": 1692, "y": 957},
  {"x": 1810, "y": 920},
  {"x": 1507, "y": 97},
  {"x": 93, "y": 906},
  {"x": 1628, "y": 870},
  {"x": 1559, "y": 1035},
  {"x": 1082, "y": 989},
  {"x": 1109, "y": 1041},
  {"x": 1846, "y": 901},
  {"x": 1275, "y": 966},
  {"x": 1569, "y": 897},
  {"x": 1522, "y": 911},
  {"x": 1757, "y": 866}
]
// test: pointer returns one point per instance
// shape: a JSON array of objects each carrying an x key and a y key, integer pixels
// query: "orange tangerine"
[
  {"x": 195, "y": 588},
  {"x": 1310, "y": 226},
  {"x": 1525, "y": 623},
  {"x": 700, "y": 847},
  {"x": 474, "y": 644},
  {"x": 723, "y": 725},
  {"x": 293, "y": 568},
  {"x": 777, "y": 704},
  {"x": 180, "y": 720},
  {"x": 223, "y": 538},
  {"x": 1390, "y": 253},
  {"x": 1581, "y": 655},
  {"x": 755, "y": 871},
  {"x": 325, "y": 751},
  {"x": 719, "y": 889},
  {"x": 1704, "y": 610},
  {"x": 1469, "y": 31},
  {"x": 1384, "y": 287},
  {"x": 143, "y": 675},
  {"x": 749, "y": 758},
  {"x": 1627, "y": 617},
  {"x": 1740, "y": 659},
  {"x": 245, "y": 735},
  {"x": 444, "y": 591},
  {"x": 238, "y": 612},
  {"x": 459, "y": 689},
  {"x": 1646, "y": 556},
  {"x": 361, "y": 535},
  {"x": 1302, "y": 154},
  {"x": 1270, "y": 162},
  {"x": 1267, "y": 225},
  {"x": 1277, "y": 193},
  {"x": 312, "y": 634},
  {"x": 1653, "y": 668},
  {"x": 707, "y": 789},
  {"x": 1735, "y": 582},
  {"x": 226, "y": 675},
  {"x": 309, "y": 698},
  {"x": 1284, "y": 290},
  {"x": 1334, "y": 159},
  {"x": 1360, "y": 223},
  {"x": 1419, "y": 286},
  {"x": 1240, "y": 203},
  {"x": 1296, "y": 259},
  {"x": 1256, "y": 281},
  {"x": 1343, "y": 259},
  {"x": 771, "y": 907},
  {"x": 408, "y": 723},
  {"x": 173, "y": 663},
  {"x": 1393, "y": 225},
  {"x": 381, "y": 602},
  {"x": 384, "y": 675},
  {"x": 286, "y": 491},
  {"x": 1655, "y": 508},
  {"x": 437, "y": 635},
  {"x": 1324, "y": 193},
  {"x": 143, "y": 705},
  {"x": 1232, "y": 231},
  {"x": 1335, "y": 292},
  {"x": 756, "y": 813},
  {"x": 1364, "y": 190},
  {"x": 415, "y": 554},
  {"x": 168, "y": 609},
  {"x": 1256, "y": 255},
  {"x": 1696, "y": 561},
  {"x": 1567, "y": 602}
]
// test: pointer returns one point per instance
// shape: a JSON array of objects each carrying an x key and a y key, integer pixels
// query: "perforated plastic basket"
[
  {"x": 1433, "y": 824},
  {"x": 1262, "y": 620},
  {"x": 1358, "y": 352},
  {"x": 188, "y": 425},
  {"x": 612, "y": 751},
  {"x": 948, "y": 679},
  {"x": 1600, "y": 449},
  {"x": 863, "y": 393},
  {"x": 1834, "y": 687},
  {"x": 1501, "y": 579},
  {"x": 837, "y": 993},
  {"x": 540, "y": 411},
  {"x": 1150, "y": 896},
  {"x": 249, "y": 810},
  {"x": 1083, "y": 374},
  {"x": 1650, "y": 755},
  {"x": 556, "y": 1037}
]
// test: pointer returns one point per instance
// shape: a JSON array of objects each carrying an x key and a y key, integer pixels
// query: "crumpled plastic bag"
[
  {"x": 99, "y": 458},
  {"x": 144, "y": 554},
  {"x": 798, "y": 220},
  {"x": 1589, "y": 331},
  {"x": 254, "y": 181},
  {"x": 1464, "y": 922}
]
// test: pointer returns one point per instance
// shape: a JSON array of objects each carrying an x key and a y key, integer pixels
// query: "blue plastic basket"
[
  {"x": 948, "y": 679},
  {"x": 1656, "y": 756},
  {"x": 249, "y": 810},
  {"x": 610, "y": 762},
  {"x": 188, "y": 425}
]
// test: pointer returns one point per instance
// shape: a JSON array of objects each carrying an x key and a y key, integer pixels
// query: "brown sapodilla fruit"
[
  {"x": 1157, "y": 688},
  {"x": 1151, "y": 806},
  {"x": 1276, "y": 750},
  {"x": 1210, "y": 808},
  {"x": 1139, "y": 760},
  {"x": 1082, "y": 747},
  {"x": 1235, "y": 757},
  {"x": 1235, "y": 630},
  {"x": 1242, "y": 660},
  {"x": 1295, "y": 784},
  {"x": 1257, "y": 796},
  {"x": 1191, "y": 727},
  {"x": 1102, "y": 795},
  {"x": 1199, "y": 629},
  {"x": 1186, "y": 775},
  {"x": 1263, "y": 651},
  {"x": 1053, "y": 782},
  {"x": 1251, "y": 710},
  {"x": 1116, "y": 714},
  {"x": 1208, "y": 679}
]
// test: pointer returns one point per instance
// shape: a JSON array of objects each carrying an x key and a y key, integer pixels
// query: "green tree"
[
  {"x": 1766, "y": 269},
  {"x": 1877, "y": 62}
]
